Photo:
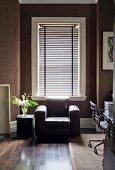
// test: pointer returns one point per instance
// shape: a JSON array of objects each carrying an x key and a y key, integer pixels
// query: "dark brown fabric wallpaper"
[
  {"x": 88, "y": 11},
  {"x": 10, "y": 47},
  {"x": 104, "y": 23},
  {"x": 15, "y": 46}
]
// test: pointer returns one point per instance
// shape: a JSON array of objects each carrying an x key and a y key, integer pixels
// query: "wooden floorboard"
[{"x": 21, "y": 155}]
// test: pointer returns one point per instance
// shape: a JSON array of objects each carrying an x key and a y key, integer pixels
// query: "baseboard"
[
  {"x": 13, "y": 126},
  {"x": 86, "y": 123}
]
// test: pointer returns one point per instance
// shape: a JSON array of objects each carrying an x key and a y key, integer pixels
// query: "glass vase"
[{"x": 24, "y": 110}]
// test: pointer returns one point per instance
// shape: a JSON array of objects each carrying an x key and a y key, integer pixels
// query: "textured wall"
[
  {"x": 88, "y": 11},
  {"x": 10, "y": 47},
  {"x": 104, "y": 23}
]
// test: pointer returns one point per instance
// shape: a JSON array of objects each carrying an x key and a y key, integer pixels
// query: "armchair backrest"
[{"x": 57, "y": 107}]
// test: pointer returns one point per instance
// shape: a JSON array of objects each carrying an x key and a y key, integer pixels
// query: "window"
[{"x": 58, "y": 63}]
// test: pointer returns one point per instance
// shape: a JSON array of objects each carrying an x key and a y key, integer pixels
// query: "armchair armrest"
[
  {"x": 73, "y": 108},
  {"x": 41, "y": 108},
  {"x": 41, "y": 112},
  {"x": 40, "y": 116},
  {"x": 74, "y": 114}
]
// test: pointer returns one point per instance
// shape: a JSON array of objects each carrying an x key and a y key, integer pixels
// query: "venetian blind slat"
[{"x": 56, "y": 49}]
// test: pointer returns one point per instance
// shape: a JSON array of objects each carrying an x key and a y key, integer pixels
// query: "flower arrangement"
[{"x": 25, "y": 102}]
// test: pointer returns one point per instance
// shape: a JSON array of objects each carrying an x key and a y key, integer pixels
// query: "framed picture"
[{"x": 108, "y": 50}]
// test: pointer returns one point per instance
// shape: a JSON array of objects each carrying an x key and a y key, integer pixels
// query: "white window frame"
[{"x": 35, "y": 53}]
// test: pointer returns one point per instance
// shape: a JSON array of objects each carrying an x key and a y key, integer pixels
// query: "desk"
[
  {"x": 108, "y": 116},
  {"x": 108, "y": 107},
  {"x": 109, "y": 156},
  {"x": 109, "y": 120}
]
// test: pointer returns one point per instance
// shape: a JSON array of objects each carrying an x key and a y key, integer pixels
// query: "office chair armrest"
[
  {"x": 101, "y": 118},
  {"x": 101, "y": 111}
]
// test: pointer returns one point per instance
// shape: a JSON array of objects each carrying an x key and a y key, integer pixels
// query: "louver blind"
[{"x": 59, "y": 60}]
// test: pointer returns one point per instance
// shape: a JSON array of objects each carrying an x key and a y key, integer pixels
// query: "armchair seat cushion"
[{"x": 57, "y": 122}]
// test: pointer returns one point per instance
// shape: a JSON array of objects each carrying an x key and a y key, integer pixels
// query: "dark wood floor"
[{"x": 20, "y": 155}]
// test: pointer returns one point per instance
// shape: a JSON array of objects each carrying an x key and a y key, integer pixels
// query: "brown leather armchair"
[{"x": 57, "y": 117}]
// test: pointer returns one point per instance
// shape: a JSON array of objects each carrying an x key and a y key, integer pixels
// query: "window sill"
[{"x": 75, "y": 98}]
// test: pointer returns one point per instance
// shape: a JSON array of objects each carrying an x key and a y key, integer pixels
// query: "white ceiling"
[{"x": 58, "y": 1}]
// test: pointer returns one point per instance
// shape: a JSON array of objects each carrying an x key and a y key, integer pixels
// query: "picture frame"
[{"x": 108, "y": 50}]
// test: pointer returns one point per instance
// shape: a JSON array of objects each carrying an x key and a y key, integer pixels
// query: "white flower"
[{"x": 25, "y": 102}]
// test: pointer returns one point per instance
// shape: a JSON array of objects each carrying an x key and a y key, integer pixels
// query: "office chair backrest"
[
  {"x": 95, "y": 112},
  {"x": 98, "y": 117}
]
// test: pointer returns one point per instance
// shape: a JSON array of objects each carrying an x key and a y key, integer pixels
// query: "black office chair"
[{"x": 100, "y": 121}]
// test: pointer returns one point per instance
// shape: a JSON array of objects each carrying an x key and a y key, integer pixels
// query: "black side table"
[{"x": 25, "y": 126}]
